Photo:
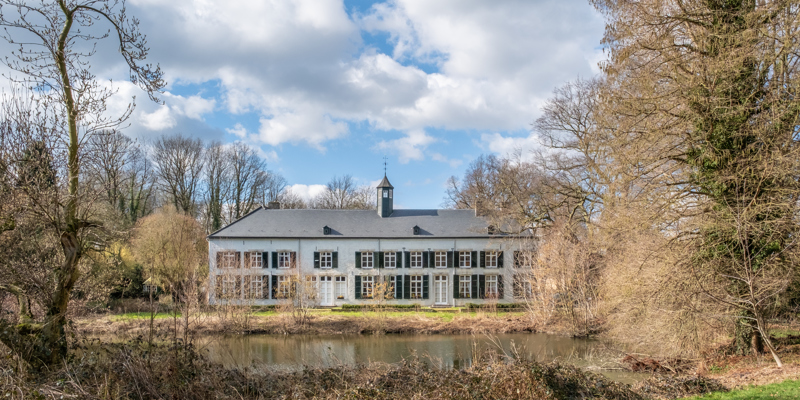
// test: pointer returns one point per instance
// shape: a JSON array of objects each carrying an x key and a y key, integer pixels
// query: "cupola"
[{"x": 385, "y": 198}]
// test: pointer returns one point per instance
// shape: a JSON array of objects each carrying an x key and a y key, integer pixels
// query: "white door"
[
  {"x": 440, "y": 289},
  {"x": 326, "y": 290}
]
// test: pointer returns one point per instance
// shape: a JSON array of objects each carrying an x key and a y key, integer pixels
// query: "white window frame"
[
  {"x": 367, "y": 286},
  {"x": 492, "y": 289},
  {"x": 440, "y": 259},
  {"x": 340, "y": 287},
  {"x": 256, "y": 259},
  {"x": 465, "y": 259},
  {"x": 326, "y": 259},
  {"x": 284, "y": 288},
  {"x": 367, "y": 260},
  {"x": 284, "y": 259},
  {"x": 465, "y": 286},
  {"x": 256, "y": 289},
  {"x": 390, "y": 259},
  {"x": 416, "y": 286},
  {"x": 229, "y": 285},
  {"x": 491, "y": 258},
  {"x": 416, "y": 259},
  {"x": 228, "y": 259}
]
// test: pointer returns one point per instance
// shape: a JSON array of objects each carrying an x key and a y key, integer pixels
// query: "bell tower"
[{"x": 385, "y": 198}]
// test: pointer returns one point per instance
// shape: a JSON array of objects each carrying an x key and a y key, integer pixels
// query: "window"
[
  {"x": 341, "y": 287},
  {"x": 464, "y": 259},
  {"x": 229, "y": 286},
  {"x": 367, "y": 283},
  {"x": 367, "y": 259},
  {"x": 390, "y": 288},
  {"x": 491, "y": 287},
  {"x": 228, "y": 260},
  {"x": 491, "y": 259},
  {"x": 255, "y": 259},
  {"x": 325, "y": 259},
  {"x": 385, "y": 194},
  {"x": 285, "y": 259},
  {"x": 465, "y": 287},
  {"x": 523, "y": 259},
  {"x": 416, "y": 259},
  {"x": 390, "y": 259},
  {"x": 284, "y": 286},
  {"x": 440, "y": 259},
  {"x": 256, "y": 288},
  {"x": 416, "y": 286}
]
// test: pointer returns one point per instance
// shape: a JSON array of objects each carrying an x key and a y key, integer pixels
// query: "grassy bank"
[
  {"x": 785, "y": 390},
  {"x": 325, "y": 322}
]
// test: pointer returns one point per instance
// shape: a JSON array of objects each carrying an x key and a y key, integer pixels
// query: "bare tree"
[
  {"x": 274, "y": 185},
  {"x": 179, "y": 167},
  {"x": 248, "y": 174},
  {"x": 291, "y": 200},
  {"x": 342, "y": 193},
  {"x": 52, "y": 58},
  {"x": 217, "y": 184}
]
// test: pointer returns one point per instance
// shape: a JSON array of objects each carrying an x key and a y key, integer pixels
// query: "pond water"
[{"x": 441, "y": 351}]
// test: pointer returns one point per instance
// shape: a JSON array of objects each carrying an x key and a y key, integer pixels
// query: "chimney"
[{"x": 274, "y": 205}]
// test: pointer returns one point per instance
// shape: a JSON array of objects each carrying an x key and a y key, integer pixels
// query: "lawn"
[
  {"x": 783, "y": 390},
  {"x": 141, "y": 315}
]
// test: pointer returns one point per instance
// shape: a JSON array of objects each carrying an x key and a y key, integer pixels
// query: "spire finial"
[{"x": 384, "y": 165}]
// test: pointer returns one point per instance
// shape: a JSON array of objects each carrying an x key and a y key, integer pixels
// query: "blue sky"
[{"x": 325, "y": 87}]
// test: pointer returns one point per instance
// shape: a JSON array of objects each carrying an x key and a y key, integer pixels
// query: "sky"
[{"x": 331, "y": 87}]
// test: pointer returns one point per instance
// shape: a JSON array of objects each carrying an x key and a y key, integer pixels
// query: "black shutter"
[
  {"x": 335, "y": 259},
  {"x": 274, "y": 259},
  {"x": 450, "y": 259},
  {"x": 316, "y": 259},
  {"x": 274, "y": 290},
  {"x": 238, "y": 259},
  {"x": 265, "y": 259},
  {"x": 407, "y": 259},
  {"x": 473, "y": 260},
  {"x": 358, "y": 287},
  {"x": 500, "y": 259},
  {"x": 500, "y": 287},
  {"x": 247, "y": 259},
  {"x": 398, "y": 287},
  {"x": 425, "y": 255},
  {"x": 218, "y": 288},
  {"x": 358, "y": 260},
  {"x": 425, "y": 280},
  {"x": 482, "y": 255},
  {"x": 455, "y": 287},
  {"x": 218, "y": 259},
  {"x": 517, "y": 287},
  {"x": 379, "y": 254},
  {"x": 481, "y": 286},
  {"x": 293, "y": 258},
  {"x": 407, "y": 287},
  {"x": 516, "y": 260}
]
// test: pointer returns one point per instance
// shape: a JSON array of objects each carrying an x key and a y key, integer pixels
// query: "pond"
[{"x": 441, "y": 351}]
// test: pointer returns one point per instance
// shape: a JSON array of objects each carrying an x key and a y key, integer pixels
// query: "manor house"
[{"x": 335, "y": 257}]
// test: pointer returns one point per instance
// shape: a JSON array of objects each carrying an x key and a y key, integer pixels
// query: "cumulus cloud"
[
  {"x": 158, "y": 120},
  {"x": 307, "y": 192},
  {"x": 410, "y": 147},
  {"x": 524, "y": 146}
]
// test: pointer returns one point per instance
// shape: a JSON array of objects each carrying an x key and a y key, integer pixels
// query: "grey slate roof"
[
  {"x": 267, "y": 223},
  {"x": 384, "y": 183}
]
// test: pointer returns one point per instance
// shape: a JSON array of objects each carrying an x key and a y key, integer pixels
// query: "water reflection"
[{"x": 442, "y": 351}]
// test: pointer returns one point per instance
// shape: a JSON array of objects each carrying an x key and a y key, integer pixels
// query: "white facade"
[{"x": 239, "y": 282}]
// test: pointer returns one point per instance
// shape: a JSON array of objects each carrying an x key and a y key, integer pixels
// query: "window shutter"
[
  {"x": 450, "y": 259},
  {"x": 247, "y": 259},
  {"x": 407, "y": 287},
  {"x": 358, "y": 288},
  {"x": 407, "y": 259},
  {"x": 500, "y": 287},
  {"x": 247, "y": 280},
  {"x": 265, "y": 259},
  {"x": 293, "y": 258},
  {"x": 335, "y": 259},
  {"x": 500, "y": 259},
  {"x": 358, "y": 260},
  {"x": 482, "y": 256},
  {"x": 219, "y": 286},
  {"x": 274, "y": 259},
  {"x": 218, "y": 259},
  {"x": 517, "y": 287},
  {"x": 398, "y": 287},
  {"x": 481, "y": 286},
  {"x": 316, "y": 259},
  {"x": 474, "y": 287},
  {"x": 379, "y": 254},
  {"x": 473, "y": 260},
  {"x": 238, "y": 259},
  {"x": 516, "y": 259},
  {"x": 455, "y": 287},
  {"x": 425, "y": 280},
  {"x": 425, "y": 255},
  {"x": 274, "y": 287}
]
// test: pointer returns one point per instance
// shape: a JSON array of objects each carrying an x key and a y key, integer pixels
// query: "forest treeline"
[
  {"x": 662, "y": 204},
  {"x": 664, "y": 195}
]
